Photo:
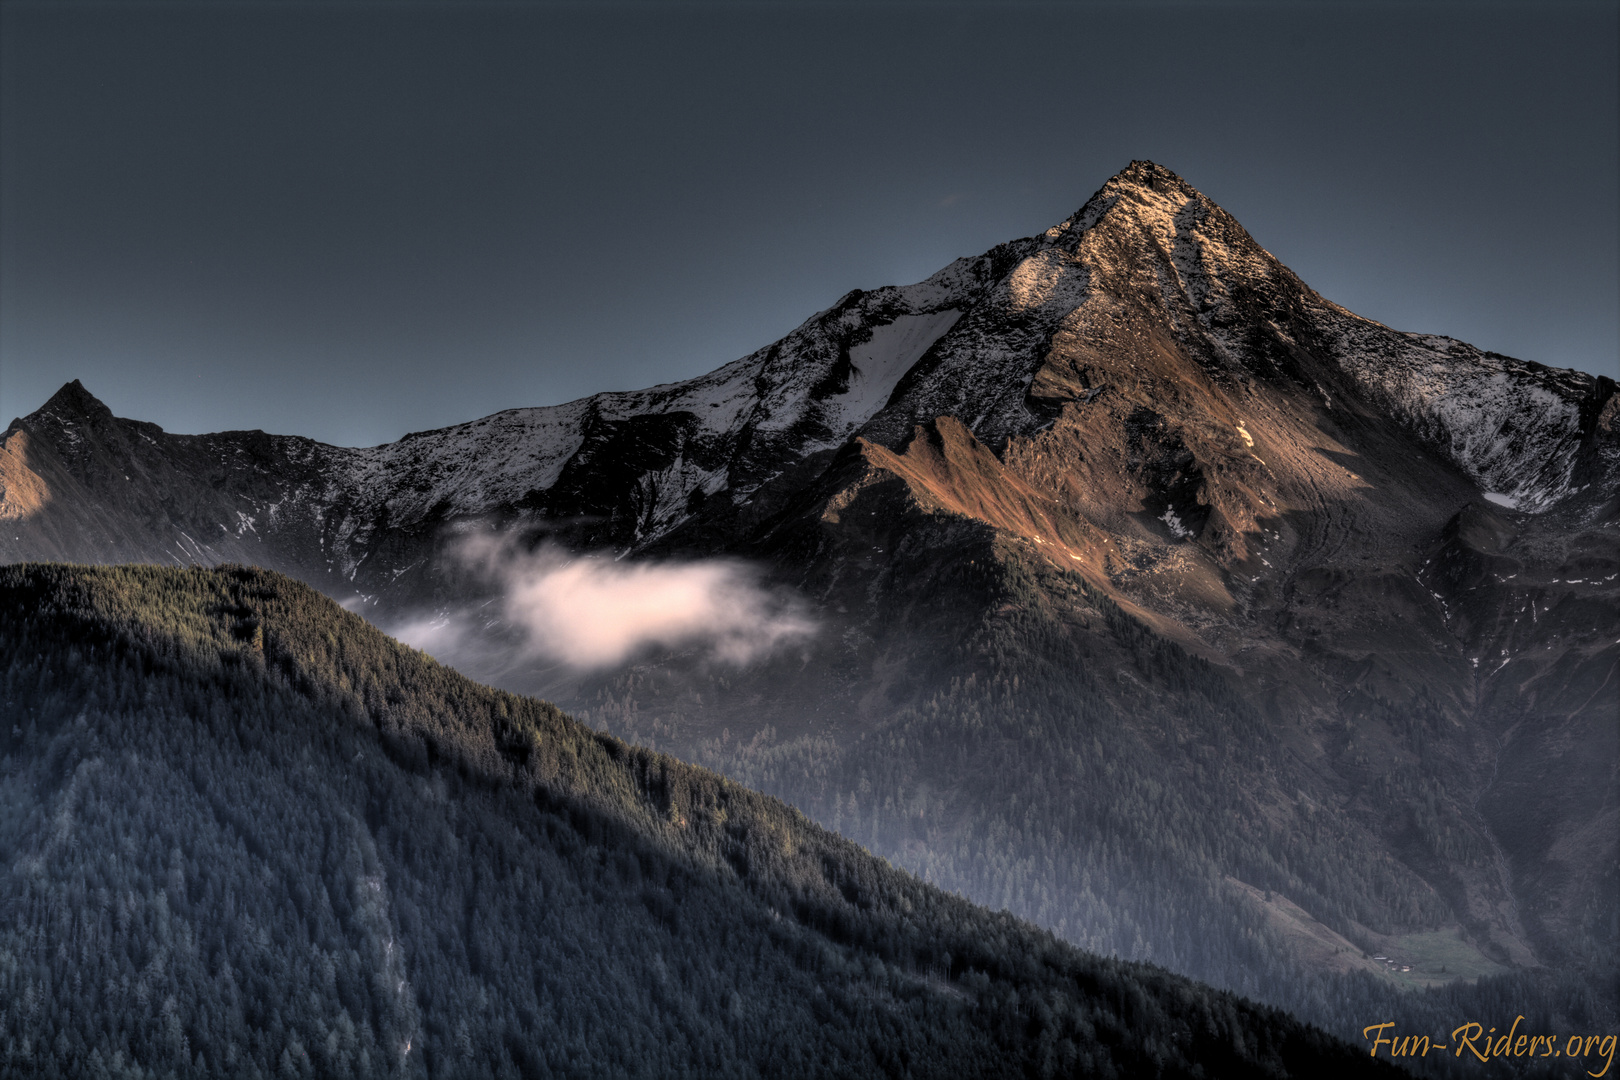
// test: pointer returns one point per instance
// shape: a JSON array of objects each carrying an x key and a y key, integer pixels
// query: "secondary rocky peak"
[
  {"x": 72, "y": 416},
  {"x": 74, "y": 402}
]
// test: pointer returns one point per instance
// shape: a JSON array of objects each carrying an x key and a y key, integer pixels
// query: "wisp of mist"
[{"x": 596, "y": 612}]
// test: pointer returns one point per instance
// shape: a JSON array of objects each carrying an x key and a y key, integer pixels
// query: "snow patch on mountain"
[
  {"x": 767, "y": 400},
  {"x": 879, "y": 365},
  {"x": 1513, "y": 427},
  {"x": 467, "y": 468}
]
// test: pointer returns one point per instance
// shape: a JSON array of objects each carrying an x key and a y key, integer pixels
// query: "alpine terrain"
[
  {"x": 246, "y": 834},
  {"x": 1158, "y": 600}
]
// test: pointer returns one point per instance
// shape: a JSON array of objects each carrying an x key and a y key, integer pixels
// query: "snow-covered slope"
[
  {"x": 728, "y": 431},
  {"x": 1516, "y": 428}
]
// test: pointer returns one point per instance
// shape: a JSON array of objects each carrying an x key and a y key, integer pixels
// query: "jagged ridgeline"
[{"x": 243, "y": 832}]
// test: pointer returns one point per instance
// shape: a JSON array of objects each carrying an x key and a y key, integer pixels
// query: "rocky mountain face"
[{"x": 1123, "y": 514}]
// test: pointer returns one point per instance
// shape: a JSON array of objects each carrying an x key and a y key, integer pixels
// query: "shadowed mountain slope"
[{"x": 246, "y": 833}]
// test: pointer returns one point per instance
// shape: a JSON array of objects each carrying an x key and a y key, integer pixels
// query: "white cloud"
[{"x": 594, "y": 611}]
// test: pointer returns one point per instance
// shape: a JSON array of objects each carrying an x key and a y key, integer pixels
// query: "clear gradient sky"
[{"x": 351, "y": 221}]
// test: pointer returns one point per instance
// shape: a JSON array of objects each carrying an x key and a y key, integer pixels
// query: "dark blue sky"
[{"x": 353, "y": 221}]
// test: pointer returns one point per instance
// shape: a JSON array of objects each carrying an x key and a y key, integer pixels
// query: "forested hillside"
[
  {"x": 1197, "y": 832},
  {"x": 245, "y": 833}
]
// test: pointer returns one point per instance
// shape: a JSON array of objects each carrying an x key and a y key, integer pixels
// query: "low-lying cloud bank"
[{"x": 595, "y": 612}]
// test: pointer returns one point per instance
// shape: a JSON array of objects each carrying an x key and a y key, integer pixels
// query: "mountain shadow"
[{"x": 247, "y": 834}]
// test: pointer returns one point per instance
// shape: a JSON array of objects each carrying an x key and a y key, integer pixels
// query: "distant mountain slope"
[
  {"x": 244, "y": 833},
  {"x": 1162, "y": 601}
]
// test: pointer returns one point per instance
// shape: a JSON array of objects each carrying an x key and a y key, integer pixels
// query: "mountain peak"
[
  {"x": 1148, "y": 174},
  {"x": 1139, "y": 181},
  {"x": 73, "y": 401}
]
